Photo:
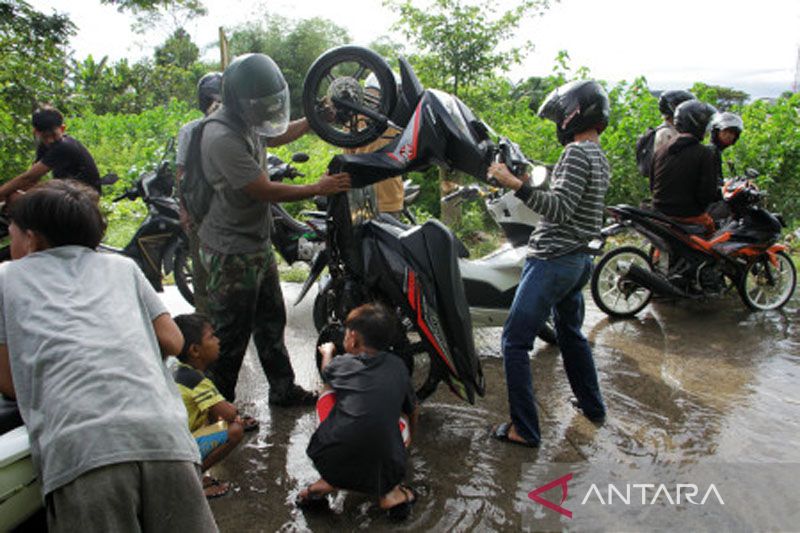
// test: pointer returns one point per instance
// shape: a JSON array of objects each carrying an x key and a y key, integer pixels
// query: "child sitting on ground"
[
  {"x": 214, "y": 422},
  {"x": 84, "y": 336},
  {"x": 358, "y": 445}
]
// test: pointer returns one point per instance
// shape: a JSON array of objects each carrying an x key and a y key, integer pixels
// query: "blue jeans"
[{"x": 549, "y": 285}]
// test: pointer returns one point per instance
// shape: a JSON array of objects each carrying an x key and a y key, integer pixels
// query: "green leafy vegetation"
[{"x": 125, "y": 112}]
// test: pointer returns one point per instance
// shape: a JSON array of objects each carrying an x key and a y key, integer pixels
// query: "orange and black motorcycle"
[{"x": 682, "y": 263}]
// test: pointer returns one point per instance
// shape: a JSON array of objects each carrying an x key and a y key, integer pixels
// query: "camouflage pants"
[
  {"x": 245, "y": 298},
  {"x": 199, "y": 275}
]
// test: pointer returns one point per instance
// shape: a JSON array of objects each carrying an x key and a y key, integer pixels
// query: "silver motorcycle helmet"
[{"x": 253, "y": 87}]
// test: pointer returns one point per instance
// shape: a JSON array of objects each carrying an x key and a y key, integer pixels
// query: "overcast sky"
[{"x": 747, "y": 44}]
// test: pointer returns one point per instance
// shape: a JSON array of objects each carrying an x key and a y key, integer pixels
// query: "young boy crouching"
[
  {"x": 358, "y": 445},
  {"x": 214, "y": 422}
]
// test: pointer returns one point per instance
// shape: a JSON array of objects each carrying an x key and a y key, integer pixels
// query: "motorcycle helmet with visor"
[
  {"x": 670, "y": 100},
  {"x": 729, "y": 122},
  {"x": 694, "y": 117},
  {"x": 254, "y": 89},
  {"x": 208, "y": 89},
  {"x": 575, "y": 107}
]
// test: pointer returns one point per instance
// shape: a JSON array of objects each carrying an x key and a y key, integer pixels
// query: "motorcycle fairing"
[
  {"x": 149, "y": 245},
  {"x": 419, "y": 269},
  {"x": 441, "y": 131}
]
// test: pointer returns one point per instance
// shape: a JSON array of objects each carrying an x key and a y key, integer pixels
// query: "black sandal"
[
  {"x": 312, "y": 500},
  {"x": 402, "y": 510}
]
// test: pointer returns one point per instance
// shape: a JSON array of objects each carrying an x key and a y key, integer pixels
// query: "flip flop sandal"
[
  {"x": 402, "y": 511},
  {"x": 501, "y": 433},
  {"x": 312, "y": 500},
  {"x": 249, "y": 423},
  {"x": 215, "y": 488}
]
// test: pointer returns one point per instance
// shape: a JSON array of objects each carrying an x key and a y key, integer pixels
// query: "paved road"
[{"x": 684, "y": 382}]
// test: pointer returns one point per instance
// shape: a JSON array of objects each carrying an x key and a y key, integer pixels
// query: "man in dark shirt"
[
  {"x": 62, "y": 154},
  {"x": 684, "y": 170}
]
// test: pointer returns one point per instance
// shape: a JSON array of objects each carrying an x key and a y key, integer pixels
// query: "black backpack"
[
  {"x": 194, "y": 190},
  {"x": 644, "y": 151}
]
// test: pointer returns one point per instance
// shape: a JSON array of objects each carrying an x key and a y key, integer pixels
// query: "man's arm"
[
  {"x": 264, "y": 190},
  {"x": 296, "y": 129},
  {"x": 170, "y": 338},
  {"x": 6, "y": 381},
  {"x": 558, "y": 204},
  {"x": 24, "y": 181},
  {"x": 708, "y": 190}
]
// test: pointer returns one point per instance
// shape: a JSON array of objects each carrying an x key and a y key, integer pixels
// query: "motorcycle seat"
[
  {"x": 691, "y": 229},
  {"x": 9, "y": 415}
]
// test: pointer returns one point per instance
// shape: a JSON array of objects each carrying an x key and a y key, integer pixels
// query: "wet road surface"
[{"x": 684, "y": 382}]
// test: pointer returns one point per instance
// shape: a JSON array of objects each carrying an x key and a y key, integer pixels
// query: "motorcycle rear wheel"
[
  {"x": 183, "y": 272},
  {"x": 613, "y": 294},
  {"x": 764, "y": 287},
  {"x": 341, "y": 73}
]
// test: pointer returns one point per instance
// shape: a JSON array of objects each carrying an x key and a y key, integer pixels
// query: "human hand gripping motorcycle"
[{"x": 501, "y": 173}]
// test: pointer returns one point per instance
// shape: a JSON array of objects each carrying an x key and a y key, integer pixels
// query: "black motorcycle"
[
  {"x": 159, "y": 246},
  {"x": 683, "y": 263},
  {"x": 373, "y": 258}
]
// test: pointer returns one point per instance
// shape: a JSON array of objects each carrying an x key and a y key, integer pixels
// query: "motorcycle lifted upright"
[{"x": 372, "y": 258}]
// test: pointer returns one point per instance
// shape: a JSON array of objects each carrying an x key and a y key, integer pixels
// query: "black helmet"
[
  {"x": 208, "y": 89},
  {"x": 575, "y": 107},
  {"x": 254, "y": 89},
  {"x": 694, "y": 116},
  {"x": 670, "y": 100}
]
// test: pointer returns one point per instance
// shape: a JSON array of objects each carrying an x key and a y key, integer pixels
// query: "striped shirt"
[{"x": 573, "y": 207}]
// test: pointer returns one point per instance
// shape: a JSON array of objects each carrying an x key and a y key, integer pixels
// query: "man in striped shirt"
[{"x": 558, "y": 266}]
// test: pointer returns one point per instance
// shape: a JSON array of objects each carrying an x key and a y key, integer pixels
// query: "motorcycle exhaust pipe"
[{"x": 650, "y": 280}]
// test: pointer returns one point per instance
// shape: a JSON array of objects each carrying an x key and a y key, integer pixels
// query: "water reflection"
[{"x": 683, "y": 383}]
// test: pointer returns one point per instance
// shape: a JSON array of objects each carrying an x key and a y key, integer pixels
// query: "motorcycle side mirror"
[
  {"x": 109, "y": 179},
  {"x": 299, "y": 157},
  {"x": 751, "y": 173},
  {"x": 539, "y": 176},
  {"x": 481, "y": 130}
]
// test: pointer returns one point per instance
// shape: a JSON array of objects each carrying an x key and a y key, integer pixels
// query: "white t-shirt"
[{"x": 91, "y": 385}]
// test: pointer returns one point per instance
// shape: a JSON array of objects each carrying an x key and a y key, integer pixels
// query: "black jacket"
[{"x": 684, "y": 177}]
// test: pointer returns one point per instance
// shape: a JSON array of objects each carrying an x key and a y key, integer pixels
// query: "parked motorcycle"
[
  {"x": 743, "y": 254},
  {"x": 490, "y": 282},
  {"x": 295, "y": 239},
  {"x": 159, "y": 246},
  {"x": 371, "y": 259}
]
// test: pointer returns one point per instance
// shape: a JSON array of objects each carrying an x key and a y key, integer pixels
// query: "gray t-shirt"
[
  {"x": 184, "y": 136},
  {"x": 236, "y": 223},
  {"x": 91, "y": 385}
]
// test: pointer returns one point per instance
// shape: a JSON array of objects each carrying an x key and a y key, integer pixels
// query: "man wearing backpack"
[
  {"x": 654, "y": 138},
  {"x": 208, "y": 99},
  {"x": 244, "y": 292}
]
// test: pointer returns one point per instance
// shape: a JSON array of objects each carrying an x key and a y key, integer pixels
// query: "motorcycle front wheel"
[
  {"x": 764, "y": 286},
  {"x": 614, "y": 294},
  {"x": 338, "y": 98},
  {"x": 183, "y": 272}
]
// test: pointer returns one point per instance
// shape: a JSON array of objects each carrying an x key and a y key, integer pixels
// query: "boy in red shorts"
[{"x": 358, "y": 445}]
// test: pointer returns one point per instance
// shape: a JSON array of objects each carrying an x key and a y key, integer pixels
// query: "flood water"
[{"x": 683, "y": 383}]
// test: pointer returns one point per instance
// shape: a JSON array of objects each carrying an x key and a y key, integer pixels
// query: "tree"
[
  {"x": 293, "y": 44},
  {"x": 178, "y": 50},
  {"x": 34, "y": 58},
  {"x": 723, "y": 98},
  {"x": 460, "y": 44},
  {"x": 169, "y": 15}
]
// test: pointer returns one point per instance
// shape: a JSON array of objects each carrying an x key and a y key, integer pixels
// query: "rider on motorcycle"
[
  {"x": 684, "y": 170},
  {"x": 667, "y": 103},
  {"x": 725, "y": 131}
]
